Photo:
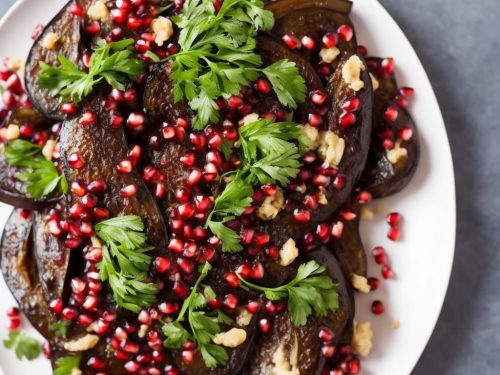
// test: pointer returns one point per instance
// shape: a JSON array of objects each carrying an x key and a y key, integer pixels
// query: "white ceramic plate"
[{"x": 422, "y": 260}]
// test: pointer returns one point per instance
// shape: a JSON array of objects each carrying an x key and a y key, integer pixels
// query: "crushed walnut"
[
  {"x": 82, "y": 344},
  {"x": 232, "y": 338},
  {"x": 98, "y": 11},
  {"x": 331, "y": 148},
  {"x": 329, "y": 55},
  {"x": 163, "y": 30},
  {"x": 288, "y": 253},
  {"x": 397, "y": 153},
  {"x": 271, "y": 206},
  {"x": 351, "y": 73},
  {"x": 362, "y": 338},
  {"x": 50, "y": 40},
  {"x": 360, "y": 283}
]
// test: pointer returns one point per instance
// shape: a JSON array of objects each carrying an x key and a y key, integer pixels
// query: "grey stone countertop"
[{"x": 458, "y": 42}]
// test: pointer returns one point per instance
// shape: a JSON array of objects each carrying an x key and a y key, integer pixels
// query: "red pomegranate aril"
[
  {"x": 187, "y": 356},
  {"x": 78, "y": 189},
  {"x": 101, "y": 213},
  {"x": 263, "y": 86},
  {"x": 315, "y": 119},
  {"x": 351, "y": 105},
  {"x": 407, "y": 92},
  {"x": 324, "y": 70},
  {"x": 56, "y": 306},
  {"x": 93, "y": 29},
  {"x": 347, "y": 119},
  {"x": 87, "y": 118},
  {"x": 323, "y": 231},
  {"x": 176, "y": 245},
  {"x": 14, "y": 324},
  {"x": 37, "y": 31},
  {"x": 308, "y": 43},
  {"x": 134, "y": 153},
  {"x": 345, "y": 32},
  {"x": 235, "y": 102},
  {"x": 232, "y": 279},
  {"x": 330, "y": 40},
  {"x": 90, "y": 303},
  {"x": 391, "y": 114},
  {"x": 124, "y": 167},
  {"x": 116, "y": 120},
  {"x": 364, "y": 197},
  {"x": 97, "y": 186},
  {"x": 301, "y": 216},
  {"x": 328, "y": 351},
  {"x": 186, "y": 210},
  {"x": 131, "y": 367},
  {"x": 54, "y": 228},
  {"x": 47, "y": 352},
  {"x": 162, "y": 264},
  {"x": 393, "y": 219},
  {"x": 69, "y": 313},
  {"x": 354, "y": 366},
  {"x": 406, "y": 133},
  {"x": 387, "y": 66},
  {"x": 337, "y": 229},
  {"x": 181, "y": 289},
  {"x": 373, "y": 282},
  {"x": 135, "y": 120},
  {"x": 326, "y": 335},
  {"x": 78, "y": 285},
  {"x": 363, "y": 51},
  {"x": 168, "y": 133},
  {"x": 86, "y": 228},
  {"x": 273, "y": 252},
  {"x": 291, "y": 41},
  {"x": 244, "y": 270},
  {"x": 13, "y": 312},
  {"x": 402, "y": 102},
  {"x": 321, "y": 180},
  {"x": 348, "y": 215},
  {"x": 75, "y": 161},
  {"x": 168, "y": 308},
  {"x": 230, "y": 301},
  {"x": 261, "y": 239},
  {"x": 194, "y": 177},
  {"x": 377, "y": 307},
  {"x": 394, "y": 234},
  {"x": 387, "y": 272},
  {"x": 128, "y": 191},
  {"x": 257, "y": 271},
  {"x": 379, "y": 250},
  {"x": 264, "y": 326},
  {"x": 318, "y": 97},
  {"x": 68, "y": 108},
  {"x": 89, "y": 200}
]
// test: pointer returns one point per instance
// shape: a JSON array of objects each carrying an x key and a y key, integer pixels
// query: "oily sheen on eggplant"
[
  {"x": 283, "y": 7},
  {"x": 382, "y": 178}
]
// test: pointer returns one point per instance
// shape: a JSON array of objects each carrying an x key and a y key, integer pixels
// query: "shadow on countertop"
[{"x": 458, "y": 43}]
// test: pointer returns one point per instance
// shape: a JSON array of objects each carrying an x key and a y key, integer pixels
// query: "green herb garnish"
[
  {"x": 24, "y": 346},
  {"x": 271, "y": 155},
  {"x": 114, "y": 63},
  {"x": 310, "y": 291},
  {"x": 66, "y": 365},
  {"x": 203, "y": 326},
  {"x": 60, "y": 328},
  {"x": 125, "y": 263},
  {"x": 217, "y": 57},
  {"x": 43, "y": 178}
]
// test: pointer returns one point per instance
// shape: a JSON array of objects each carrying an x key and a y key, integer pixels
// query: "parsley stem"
[{"x": 187, "y": 302}]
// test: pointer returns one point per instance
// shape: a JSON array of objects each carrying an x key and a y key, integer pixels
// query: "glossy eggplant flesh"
[
  {"x": 98, "y": 149},
  {"x": 20, "y": 272},
  {"x": 290, "y": 349},
  {"x": 395, "y": 149},
  {"x": 67, "y": 28},
  {"x": 283, "y": 7}
]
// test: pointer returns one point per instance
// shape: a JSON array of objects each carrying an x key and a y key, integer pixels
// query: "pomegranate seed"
[
  {"x": 348, "y": 215},
  {"x": 263, "y": 86},
  {"x": 261, "y": 239},
  {"x": 364, "y": 197},
  {"x": 377, "y": 307},
  {"x": 308, "y": 43},
  {"x": 407, "y": 92},
  {"x": 168, "y": 132},
  {"x": 264, "y": 326},
  {"x": 406, "y": 134},
  {"x": 101, "y": 213},
  {"x": 330, "y": 40},
  {"x": 391, "y": 114},
  {"x": 354, "y": 366},
  {"x": 87, "y": 118},
  {"x": 393, "y": 219},
  {"x": 318, "y": 97},
  {"x": 194, "y": 177},
  {"x": 253, "y": 307},
  {"x": 176, "y": 245},
  {"x": 244, "y": 270},
  {"x": 291, "y": 41},
  {"x": 337, "y": 229},
  {"x": 394, "y": 234},
  {"x": 321, "y": 180},
  {"x": 13, "y": 312},
  {"x": 14, "y": 323},
  {"x": 162, "y": 264},
  {"x": 230, "y": 301},
  {"x": 232, "y": 279},
  {"x": 186, "y": 210},
  {"x": 363, "y": 51},
  {"x": 37, "y": 31},
  {"x": 181, "y": 289},
  {"x": 77, "y": 189},
  {"x": 75, "y": 161},
  {"x": 128, "y": 191},
  {"x": 186, "y": 265},
  {"x": 257, "y": 271},
  {"x": 347, "y": 119},
  {"x": 387, "y": 66},
  {"x": 328, "y": 351},
  {"x": 97, "y": 186},
  {"x": 56, "y": 306},
  {"x": 315, "y": 119},
  {"x": 169, "y": 308},
  {"x": 345, "y": 32},
  {"x": 187, "y": 356},
  {"x": 351, "y": 105},
  {"x": 90, "y": 303},
  {"x": 47, "y": 352},
  {"x": 93, "y": 29},
  {"x": 373, "y": 282},
  {"x": 301, "y": 216},
  {"x": 89, "y": 200},
  {"x": 69, "y": 313},
  {"x": 135, "y": 120},
  {"x": 326, "y": 335},
  {"x": 134, "y": 153},
  {"x": 235, "y": 102},
  {"x": 54, "y": 228},
  {"x": 68, "y": 108},
  {"x": 401, "y": 101},
  {"x": 116, "y": 120},
  {"x": 387, "y": 272},
  {"x": 124, "y": 167},
  {"x": 131, "y": 367}
]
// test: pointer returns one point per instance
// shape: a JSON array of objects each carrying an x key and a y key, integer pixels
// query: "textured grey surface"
[{"x": 458, "y": 43}]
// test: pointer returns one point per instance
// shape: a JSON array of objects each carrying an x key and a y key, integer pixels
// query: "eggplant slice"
[
  {"x": 290, "y": 348},
  {"x": 381, "y": 177},
  {"x": 20, "y": 272},
  {"x": 67, "y": 27},
  {"x": 283, "y": 7}
]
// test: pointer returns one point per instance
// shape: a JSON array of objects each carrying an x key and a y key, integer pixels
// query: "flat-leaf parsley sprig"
[
  {"x": 66, "y": 365},
  {"x": 271, "y": 154},
  {"x": 125, "y": 263},
  {"x": 310, "y": 291},
  {"x": 24, "y": 346},
  {"x": 41, "y": 175},
  {"x": 217, "y": 57},
  {"x": 203, "y": 325},
  {"x": 114, "y": 63}
]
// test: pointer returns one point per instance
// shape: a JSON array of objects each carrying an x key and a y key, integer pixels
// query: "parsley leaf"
[
  {"x": 203, "y": 326},
  {"x": 217, "y": 57},
  {"x": 66, "y": 365},
  {"x": 114, "y": 63},
  {"x": 311, "y": 291},
  {"x": 43, "y": 177},
  {"x": 60, "y": 328},
  {"x": 24, "y": 346},
  {"x": 125, "y": 263}
]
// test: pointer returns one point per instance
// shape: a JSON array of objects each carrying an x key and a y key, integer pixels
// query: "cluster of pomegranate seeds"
[
  {"x": 345, "y": 361},
  {"x": 394, "y": 221},
  {"x": 14, "y": 316},
  {"x": 13, "y": 95}
]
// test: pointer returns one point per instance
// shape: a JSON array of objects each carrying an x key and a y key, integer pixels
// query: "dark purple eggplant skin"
[
  {"x": 68, "y": 28},
  {"x": 102, "y": 148},
  {"x": 349, "y": 249},
  {"x": 381, "y": 178},
  {"x": 283, "y": 7},
  {"x": 305, "y": 338},
  {"x": 20, "y": 272},
  {"x": 52, "y": 257}
]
